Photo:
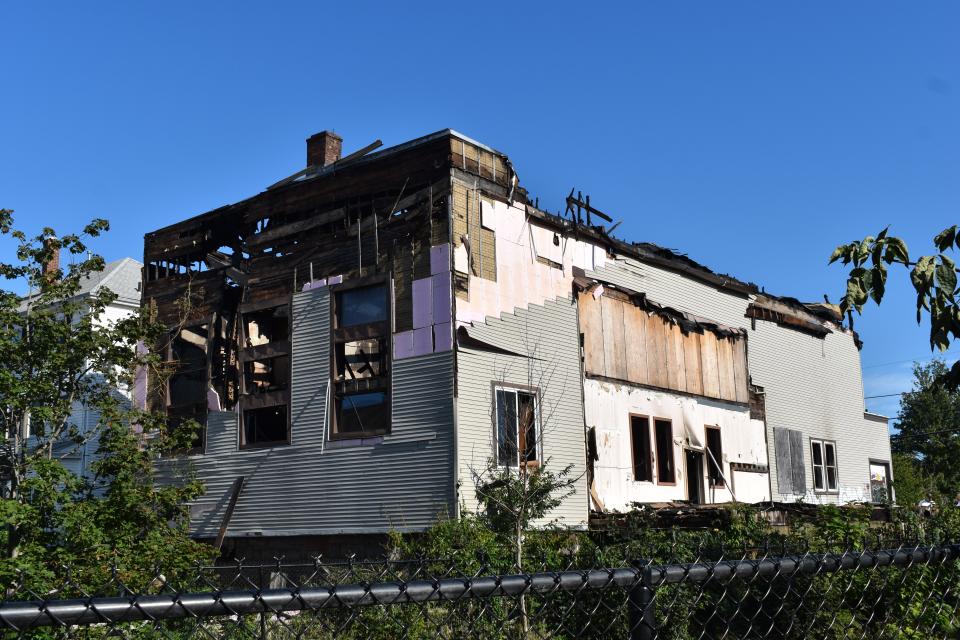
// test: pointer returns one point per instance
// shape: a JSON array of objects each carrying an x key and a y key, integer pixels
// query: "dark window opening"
[
  {"x": 362, "y": 305},
  {"x": 266, "y": 325},
  {"x": 360, "y": 413},
  {"x": 361, "y": 361},
  {"x": 663, "y": 430},
  {"x": 265, "y": 426},
  {"x": 187, "y": 385},
  {"x": 642, "y": 454},
  {"x": 715, "y": 457},
  {"x": 269, "y": 374},
  {"x": 517, "y": 429},
  {"x": 265, "y": 386}
]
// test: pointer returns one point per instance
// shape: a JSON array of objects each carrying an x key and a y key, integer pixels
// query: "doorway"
[
  {"x": 880, "y": 482},
  {"x": 694, "y": 460}
]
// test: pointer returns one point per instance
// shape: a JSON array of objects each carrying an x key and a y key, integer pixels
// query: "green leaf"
[
  {"x": 946, "y": 276},
  {"x": 878, "y": 281},
  {"x": 945, "y": 238},
  {"x": 896, "y": 251},
  {"x": 922, "y": 274},
  {"x": 837, "y": 253}
]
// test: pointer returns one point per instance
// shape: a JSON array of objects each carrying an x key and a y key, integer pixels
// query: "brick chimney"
[
  {"x": 323, "y": 148},
  {"x": 51, "y": 266}
]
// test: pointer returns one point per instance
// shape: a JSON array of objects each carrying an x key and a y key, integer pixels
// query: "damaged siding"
[
  {"x": 609, "y": 407},
  {"x": 811, "y": 384},
  {"x": 401, "y": 481},
  {"x": 543, "y": 342}
]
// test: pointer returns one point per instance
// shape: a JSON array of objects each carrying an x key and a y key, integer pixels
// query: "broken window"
[
  {"x": 715, "y": 455},
  {"x": 265, "y": 425},
  {"x": 642, "y": 455},
  {"x": 187, "y": 385},
  {"x": 663, "y": 430},
  {"x": 265, "y": 384},
  {"x": 361, "y": 371},
  {"x": 824, "y": 454},
  {"x": 518, "y": 434}
]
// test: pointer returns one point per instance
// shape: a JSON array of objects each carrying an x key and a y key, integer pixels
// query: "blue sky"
[{"x": 753, "y": 136}]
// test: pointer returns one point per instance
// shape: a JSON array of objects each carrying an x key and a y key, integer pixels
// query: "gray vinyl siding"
[
  {"x": 547, "y": 343},
  {"x": 313, "y": 487},
  {"x": 812, "y": 385}
]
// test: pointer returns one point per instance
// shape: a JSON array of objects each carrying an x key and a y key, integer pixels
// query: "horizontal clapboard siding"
[
  {"x": 403, "y": 482},
  {"x": 546, "y": 342},
  {"x": 812, "y": 385}
]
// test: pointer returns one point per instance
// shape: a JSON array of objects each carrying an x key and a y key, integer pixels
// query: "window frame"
[
  {"x": 537, "y": 396},
  {"x": 718, "y": 482},
  {"x": 246, "y": 399},
  {"x": 381, "y": 330},
  {"x": 633, "y": 449},
  {"x": 822, "y": 443},
  {"x": 673, "y": 458}
]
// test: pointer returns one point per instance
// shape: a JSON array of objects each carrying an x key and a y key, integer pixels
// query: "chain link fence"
[{"x": 895, "y": 591}]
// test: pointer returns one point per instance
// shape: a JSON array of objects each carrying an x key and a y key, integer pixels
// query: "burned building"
[{"x": 362, "y": 339}]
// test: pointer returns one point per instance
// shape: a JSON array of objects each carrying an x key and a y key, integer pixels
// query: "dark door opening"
[{"x": 695, "y": 477}]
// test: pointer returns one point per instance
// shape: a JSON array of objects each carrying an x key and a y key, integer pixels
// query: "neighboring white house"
[{"x": 122, "y": 277}]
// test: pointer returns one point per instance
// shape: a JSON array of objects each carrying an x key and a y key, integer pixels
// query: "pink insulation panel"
[
  {"x": 442, "y": 337},
  {"x": 422, "y": 303},
  {"x": 441, "y": 298},
  {"x": 402, "y": 345},
  {"x": 422, "y": 341},
  {"x": 440, "y": 259}
]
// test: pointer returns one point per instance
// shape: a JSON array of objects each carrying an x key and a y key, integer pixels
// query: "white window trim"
[
  {"x": 822, "y": 445},
  {"x": 536, "y": 424}
]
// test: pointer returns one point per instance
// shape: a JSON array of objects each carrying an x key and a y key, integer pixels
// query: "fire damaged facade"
[{"x": 363, "y": 339}]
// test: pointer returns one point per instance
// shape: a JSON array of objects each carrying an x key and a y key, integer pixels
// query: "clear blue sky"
[{"x": 752, "y": 136}]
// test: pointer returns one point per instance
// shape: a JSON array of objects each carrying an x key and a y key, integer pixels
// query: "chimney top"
[
  {"x": 323, "y": 148},
  {"x": 51, "y": 266}
]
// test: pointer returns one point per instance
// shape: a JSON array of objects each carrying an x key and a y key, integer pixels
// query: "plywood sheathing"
[{"x": 626, "y": 342}]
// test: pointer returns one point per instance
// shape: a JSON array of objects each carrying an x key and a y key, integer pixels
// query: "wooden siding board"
[
  {"x": 709, "y": 365},
  {"x": 656, "y": 358},
  {"x": 591, "y": 323},
  {"x": 691, "y": 360},
  {"x": 725, "y": 368},
  {"x": 635, "y": 336},
  {"x": 742, "y": 390},
  {"x": 614, "y": 347}
]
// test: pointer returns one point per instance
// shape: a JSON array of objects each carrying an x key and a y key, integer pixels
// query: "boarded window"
[
  {"x": 642, "y": 453},
  {"x": 265, "y": 387},
  {"x": 788, "y": 452},
  {"x": 518, "y": 435},
  {"x": 361, "y": 372},
  {"x": 823, "y": 455},
  {"x": 665, "y": 465},
  {"x": 715, "y": 457}
]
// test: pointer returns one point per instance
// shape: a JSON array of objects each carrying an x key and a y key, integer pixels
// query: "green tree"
[
  {"x": 933, "y": 276},
  {"x": 58, "y": 352},
  {"x": 911, "y": 482},
  {"x": 928, "y": 426}
]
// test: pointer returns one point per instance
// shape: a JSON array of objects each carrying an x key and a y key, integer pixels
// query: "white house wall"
[
  {"x": 544, "y": 345},
  {"x": 521, "y": 278},
  {"x": 608, "y": 407},
  {"x": 812, "y": 385}
]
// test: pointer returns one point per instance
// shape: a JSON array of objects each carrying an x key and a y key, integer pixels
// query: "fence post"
[{"x": 640, "y": 606}]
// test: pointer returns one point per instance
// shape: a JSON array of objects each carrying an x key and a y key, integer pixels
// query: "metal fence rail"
[{"x": 900, "y": 592}]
